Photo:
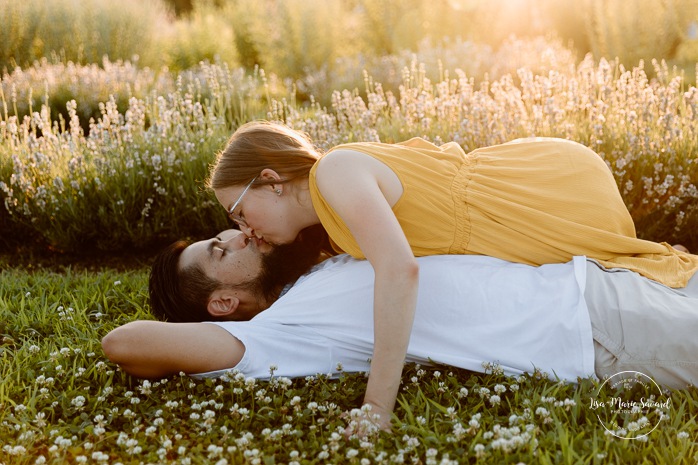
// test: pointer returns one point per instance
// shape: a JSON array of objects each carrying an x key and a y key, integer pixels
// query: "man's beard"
[{"x": 285, "y": 263}]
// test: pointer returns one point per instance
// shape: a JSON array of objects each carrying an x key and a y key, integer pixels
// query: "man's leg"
[{"x": 641, "y": 325}]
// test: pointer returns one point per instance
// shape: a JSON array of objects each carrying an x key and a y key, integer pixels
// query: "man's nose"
[
  {"x": 249, "y": 232},
  {"x": 238, "y": 241}
]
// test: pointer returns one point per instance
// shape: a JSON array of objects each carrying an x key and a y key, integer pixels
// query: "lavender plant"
[{"x": 136, "y": 175}]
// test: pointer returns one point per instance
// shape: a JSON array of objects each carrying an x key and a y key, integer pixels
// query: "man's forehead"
[{"x": 191, "y": 255}]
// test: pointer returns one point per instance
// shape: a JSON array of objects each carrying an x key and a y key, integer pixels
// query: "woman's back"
[{"x": 531, "y": 201}]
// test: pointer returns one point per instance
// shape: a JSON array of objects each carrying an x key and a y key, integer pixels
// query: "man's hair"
[{"x": 182, "y": 296}]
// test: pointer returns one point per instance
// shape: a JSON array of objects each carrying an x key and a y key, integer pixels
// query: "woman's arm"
[
  {"x": 152, "y": 349},
  {"x": 356, "y": 188}
]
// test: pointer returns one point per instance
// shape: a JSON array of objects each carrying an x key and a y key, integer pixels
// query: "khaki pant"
[{"x": 641, "y": 325}]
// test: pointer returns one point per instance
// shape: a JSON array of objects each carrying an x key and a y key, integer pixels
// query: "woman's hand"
[{"x": 366, "y": 422}]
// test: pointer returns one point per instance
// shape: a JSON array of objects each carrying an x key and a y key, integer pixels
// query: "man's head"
[{"x": 229, "y": 277}]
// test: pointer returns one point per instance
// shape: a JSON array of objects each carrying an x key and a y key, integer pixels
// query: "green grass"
[{"x": 61, "y": 401}]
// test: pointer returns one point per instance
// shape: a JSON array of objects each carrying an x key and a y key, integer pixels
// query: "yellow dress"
[{"x": 531, "y": 201}]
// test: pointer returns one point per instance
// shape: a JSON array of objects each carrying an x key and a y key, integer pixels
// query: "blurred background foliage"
[
  {"x": 292, "y": 37},
  {"x": 317, "y": 46}
]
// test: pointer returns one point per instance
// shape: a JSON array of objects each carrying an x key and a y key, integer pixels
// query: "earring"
[{"x": 278, "y": 191}]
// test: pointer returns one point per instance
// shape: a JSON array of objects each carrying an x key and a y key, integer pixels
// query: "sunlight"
[{"x": 520, "y": 16}]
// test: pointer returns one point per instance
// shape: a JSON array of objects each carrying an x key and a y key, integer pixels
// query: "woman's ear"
[
  {"x": 223, "y": 303},
  {"x": 268, "y": 174},
  {"x": 274, "y": 179}
]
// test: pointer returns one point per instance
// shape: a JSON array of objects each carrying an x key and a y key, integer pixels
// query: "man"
[
  {"x": 229, "y": 277},
  {"x": 569, "y": 320}
]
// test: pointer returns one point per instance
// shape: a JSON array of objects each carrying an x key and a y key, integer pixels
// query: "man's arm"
[{"x": 152, "y": 349}]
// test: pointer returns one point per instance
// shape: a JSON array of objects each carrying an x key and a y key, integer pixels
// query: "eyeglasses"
[{"x": 237, "y": 219}]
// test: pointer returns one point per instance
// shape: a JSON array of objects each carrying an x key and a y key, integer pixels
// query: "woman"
[{"x": 531, "y": 201}]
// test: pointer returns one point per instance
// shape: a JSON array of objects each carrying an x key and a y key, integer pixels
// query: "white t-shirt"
[{"x": 470, "y": 310}]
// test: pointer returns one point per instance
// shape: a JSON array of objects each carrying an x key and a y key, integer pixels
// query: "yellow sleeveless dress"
[{"x": 532, "y": 201}]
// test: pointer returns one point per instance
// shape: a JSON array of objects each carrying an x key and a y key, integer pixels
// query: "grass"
[{"x": 61, "y": 401}]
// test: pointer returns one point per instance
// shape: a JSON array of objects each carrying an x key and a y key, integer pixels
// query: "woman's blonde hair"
[{"x": 258, "y": 145}]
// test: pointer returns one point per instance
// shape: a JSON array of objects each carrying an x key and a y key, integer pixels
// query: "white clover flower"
[
  {"x": 500, "y": 389},
  {"x": 78, "y": 401},
  {"x": 145, "y": 387},
  {"x": 15, "y": 450},
  {"x": 682, "y": 435},
  {"x": 495, "y": 400}
]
